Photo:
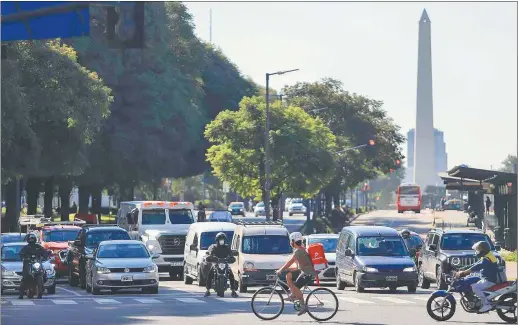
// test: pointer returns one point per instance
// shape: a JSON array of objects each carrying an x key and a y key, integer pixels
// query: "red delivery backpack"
[{"x": 318, "y": 257}]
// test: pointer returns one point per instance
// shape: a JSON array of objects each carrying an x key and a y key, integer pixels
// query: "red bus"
[{"x": 408, "y": 198}]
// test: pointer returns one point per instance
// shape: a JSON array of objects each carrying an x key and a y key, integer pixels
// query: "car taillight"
[{"x": 416, "y": 254}]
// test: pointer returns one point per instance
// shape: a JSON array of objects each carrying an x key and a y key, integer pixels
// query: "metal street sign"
[
  {"x": 37, "y": 20},
  {"x": 226, "y": 187}
]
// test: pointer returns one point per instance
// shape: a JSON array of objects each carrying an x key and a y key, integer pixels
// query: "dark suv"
[
  {"x": 87, "y": 240},
  {"x": 447, "y": 250}
]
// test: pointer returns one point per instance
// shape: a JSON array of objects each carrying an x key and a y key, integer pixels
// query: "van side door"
[
  {"x": 350, "y": 265},
  {"x": 340, "y": 254}
]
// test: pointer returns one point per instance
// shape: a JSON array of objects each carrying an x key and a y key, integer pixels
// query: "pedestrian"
[
  {"x": 488, "y": 204},
  {"x": 202, "y": 216}
]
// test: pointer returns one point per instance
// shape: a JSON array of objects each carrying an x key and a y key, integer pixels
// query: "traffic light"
[{"x": 125, "y": 24}]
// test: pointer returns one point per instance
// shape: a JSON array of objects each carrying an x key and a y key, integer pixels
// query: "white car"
[
  {"x": 329, "y": 241},
  {"x": 296, "y": 208},
  {"x": 259, "y": 210}
]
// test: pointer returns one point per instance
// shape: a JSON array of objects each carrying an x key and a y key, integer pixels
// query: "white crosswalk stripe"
[
  {"x": 355, "y": 300},
  {"x": 190, "y": 300},
  {"x": 106, "y": 301},
  {"x": 394, "y": 300},
  {"x": 64, "y": 302},
  {"x": 22, "y": 303},
  {"x": 421, "y": 298},
  {"x": 148, "y": 300}
]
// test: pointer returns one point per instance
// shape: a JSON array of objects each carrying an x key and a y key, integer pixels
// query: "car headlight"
[
  {"x": 409, "y": 269},
  {"x": 455, "y": 261},
  {"x": 150, "y": 269},
  {"x": 103, "y": 270},
  {"x": 36, "y": 265},
  {"x": 50, "y": 272},
  {"x": 248, "y": 266},
  {"x": 153, "y": 246},
  {"x": 221, "y": 265},
  {"x": 370, "y": 269},
  {"x": 6, "y": 272}
]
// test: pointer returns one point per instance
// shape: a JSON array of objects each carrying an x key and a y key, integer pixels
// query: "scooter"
[
  {"x": 442, "y": 304},
  {"x": 36, "y": 278}
]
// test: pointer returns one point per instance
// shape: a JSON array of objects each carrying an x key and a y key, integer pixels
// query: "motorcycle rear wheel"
[
  {"x": 503, "y": 314},
  {"x": 434, "y": 303}
]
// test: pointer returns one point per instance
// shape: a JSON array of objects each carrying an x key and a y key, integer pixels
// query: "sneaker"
[
  {"x": 207, "y": 293},
  {"x": 303, "y": 310},
  {"x": 234, "y": 294},
  {"x": 485, "y": 309}
]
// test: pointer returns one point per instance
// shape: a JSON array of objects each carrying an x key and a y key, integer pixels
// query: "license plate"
[
  {"x": 391, "y": 278},
  {"x": 270, "y": 277},
  {"x": 126, "y": 278},
  {"x": 176, "y": 263}
]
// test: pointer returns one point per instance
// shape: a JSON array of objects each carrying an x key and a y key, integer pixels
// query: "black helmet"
[
  {"x": 482, "y": 248},
  {"x": 405, "y": 233},
  {"x": 31, "y": 239},
  {"x": 220, "y": 236}
]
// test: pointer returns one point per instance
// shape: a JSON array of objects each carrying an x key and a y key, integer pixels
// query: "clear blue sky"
[{"x": 372, "y": 49}]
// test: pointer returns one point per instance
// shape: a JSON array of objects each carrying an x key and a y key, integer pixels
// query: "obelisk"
[{"x": 424, "y": 144}]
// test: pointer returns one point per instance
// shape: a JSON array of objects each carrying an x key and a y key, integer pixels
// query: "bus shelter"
[{"x": 503, "y": 187}]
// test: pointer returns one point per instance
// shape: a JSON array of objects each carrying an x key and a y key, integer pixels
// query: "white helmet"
[{"x": 296, "y": 236}]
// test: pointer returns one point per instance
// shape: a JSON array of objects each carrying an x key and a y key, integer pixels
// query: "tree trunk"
[
  {"x": 65, "y": 187},
  {"x": 47, "y": 199},
  {"x": 84, "y": 198},
  {"x": 329, "y": 203},
  {"x": 12, "y": 202},
  {"x": 96, "y": 192},
  {"x": 32, "y": 188},
  {"x": 275, "y": 206}
]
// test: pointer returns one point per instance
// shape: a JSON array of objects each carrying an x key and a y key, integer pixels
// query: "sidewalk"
[{"x": 511, "y": 270}]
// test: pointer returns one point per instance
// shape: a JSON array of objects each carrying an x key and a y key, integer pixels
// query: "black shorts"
[{"x": 301, "y": 279}]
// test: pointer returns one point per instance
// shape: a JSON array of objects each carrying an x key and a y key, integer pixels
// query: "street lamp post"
[{"x": 267, "y": 143}]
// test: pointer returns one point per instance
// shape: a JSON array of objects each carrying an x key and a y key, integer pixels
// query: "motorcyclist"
[
  {"x": 488, "y": 268},
  {"x": 221, "y": 250},
  {"x": 303, "y": 275},
  {"x": 32, "y": 248}
]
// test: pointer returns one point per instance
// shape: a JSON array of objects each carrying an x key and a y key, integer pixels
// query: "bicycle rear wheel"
[
  {"x": 267, "y": 298},
  {"x": 322, "y": 304}
]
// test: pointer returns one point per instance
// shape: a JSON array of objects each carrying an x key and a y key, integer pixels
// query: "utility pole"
[{"x": 210, "y": 26}]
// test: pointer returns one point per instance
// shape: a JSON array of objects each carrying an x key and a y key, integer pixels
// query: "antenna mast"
[{"x": 210, "y": 26}]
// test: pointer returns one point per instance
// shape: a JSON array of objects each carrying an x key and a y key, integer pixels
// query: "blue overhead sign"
[{"x": 36, "y": 20}]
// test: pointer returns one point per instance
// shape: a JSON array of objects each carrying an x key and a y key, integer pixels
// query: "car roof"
[
  {"x": 264, "y": 230},
  {"x": 236, "y": 203},
  {"x": 100, "y": 229},
  {"x": 18, "y": 243},
  {"x": 12, "y": 234},
  {"x": 119, "y": 241},
  {"x": 58, "y": 227},
  {"x": 458, "y": 231},
  {"x": 413, "y": 233},
  {"x": 214, "y": 226},
  {"x": 323, "y": 236},
  {"x": 372, "y": 231}
]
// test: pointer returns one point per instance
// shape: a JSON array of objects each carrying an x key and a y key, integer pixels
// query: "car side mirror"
[
  {"x": 235, "y": 252},
  {"x": 432, "y": 247},
  {"x": 77, "y": 242},
  {"x": 155, "y": 256},
  {"x": 193, "y": 247},
  {"x": 498, "y": 248},
  {"x": 89, "y": 257},
  {"x": 348, "y": 252}
]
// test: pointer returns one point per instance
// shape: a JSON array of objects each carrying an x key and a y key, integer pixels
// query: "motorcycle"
[
  {"x": 36, "y": 278},
  {"x": 502, "y": 298},
  {"x": 220, "y": 278}
]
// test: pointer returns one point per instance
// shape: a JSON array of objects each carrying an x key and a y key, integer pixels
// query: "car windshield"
[
  {"x": 220, "y": 216},
  {"x": 236, "y": 205},
  {"x": 153, "y": 217},
  {"x": 413, "y": 241},
  {"x": 208, "y": 238},
  {"x": 328, "y": 243},
  {"x": 267, "y": 244},
  {"x": 381, "y": 246},
  {"x": 463, "y": 242},
  {"x": 409, "y": 190},
  {"x": 93, "y": 239},
  {"x": 60, "y": 235},
  {"x": 260, "y": 204},
  {"x": 122, "y": 251},
  {"x": 11, "y": 238},
  {"x": 296, "y": 201},
  {"x": 11, "y": 253},
  {"x": 181, "y": 217}
]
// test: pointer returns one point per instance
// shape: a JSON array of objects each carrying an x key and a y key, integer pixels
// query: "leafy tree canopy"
[
  {"x": 509, "y": 164},
  {"x": 302, "y": 149}
]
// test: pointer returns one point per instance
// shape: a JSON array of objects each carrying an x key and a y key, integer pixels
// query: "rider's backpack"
[{"x": 317, "y": 254}]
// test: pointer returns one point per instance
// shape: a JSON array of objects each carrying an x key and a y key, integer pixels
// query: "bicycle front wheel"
[
  {"x": 322, "y": 304},
  {"x": 267, "y": 303}
]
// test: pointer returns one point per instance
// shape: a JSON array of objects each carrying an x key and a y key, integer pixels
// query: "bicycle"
[{"x": 272, "y": 291}]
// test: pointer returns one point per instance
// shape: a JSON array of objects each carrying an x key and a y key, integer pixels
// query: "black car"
[
  {"x": 374, "y": 257},
  {"x": 447, "y": 250},
  {"x": 87, "y": 240}
]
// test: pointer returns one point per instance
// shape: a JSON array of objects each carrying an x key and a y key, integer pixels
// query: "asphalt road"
[{"x": 177, "y": 302}]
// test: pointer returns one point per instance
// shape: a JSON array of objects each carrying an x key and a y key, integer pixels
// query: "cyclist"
[{"x": 303, "y": 275}]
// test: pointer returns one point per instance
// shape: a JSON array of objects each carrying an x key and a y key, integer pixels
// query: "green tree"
[
  {"x": 354, "y": 120},
  {"x": 302, "y": 150},
  {"x": 509, "y": 164}
]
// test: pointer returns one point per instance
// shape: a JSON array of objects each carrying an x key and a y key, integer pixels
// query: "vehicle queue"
[{"x": 151, "y": 237}]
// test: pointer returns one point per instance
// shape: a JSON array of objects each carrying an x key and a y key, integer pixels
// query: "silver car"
[{"x": 121, "y": 264}]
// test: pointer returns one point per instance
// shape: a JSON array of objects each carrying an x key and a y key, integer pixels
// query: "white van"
[
  {"x": 162, "y": 226},
  {"x": 200, "y": 236}
]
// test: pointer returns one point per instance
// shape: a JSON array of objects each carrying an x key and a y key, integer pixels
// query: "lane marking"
[
  {"x": 106, "y": 301},
  {"x": 64, "y": 302},
  {"x": 355, "y": 300},
  {"x": 229, "y": 299},
  {"x": 71, "y": 291},
  {"x": 394, "y": 300},
  {"x": 421, "y": 298},
  {"x": 148, "y": 300},
  {"x": 22, "y": 303},
  {"x": 190, "y": 300}
]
